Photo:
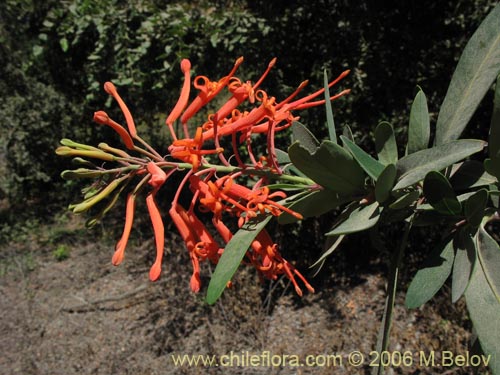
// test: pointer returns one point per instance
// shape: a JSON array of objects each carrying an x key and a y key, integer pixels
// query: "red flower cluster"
[{"x": 215, "y": 188}]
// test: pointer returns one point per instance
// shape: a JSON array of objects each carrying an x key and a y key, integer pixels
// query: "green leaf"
[
  {"x": 233, "y": 254},
  {"x": 429, "y": 279},
  {"x": 363, "y": 217},
  {"x": 483, "y": 309},
  {"x": 385, "y": 182},
  {"x": 329, "y": 251},
  {"x": 474, "y": 207},
  {"x": 282, "y": 156},
  {"x": 492, "y": 166},
  {"x": 489, "y": 257},
  {"x": 414, "y": 167},
  {"x": 440, "y": 195},
  {"x": 419, "y": 128},
  {"x": 385, "y": 144},
  {"x": 494, "y": 136},
  {"x": 63, "y": 42},
  {"x": 329, "y": 111},
  {"x": 330, "y": 166},
  {"x": 304, "y": 136},
  {"x": 476, "y": 70},
  {"x": 405, "y": 200},
  {"x": 315, "y": 203},
  {"x": 347, "y": 132},
  {"x": 371, "y": 166},
  {"x": 464, "y": 263},
  {"x": 470, "y": 174}
]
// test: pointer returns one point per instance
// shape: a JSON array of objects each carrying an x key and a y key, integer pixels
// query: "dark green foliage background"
[{"x": 55, "y": 56}]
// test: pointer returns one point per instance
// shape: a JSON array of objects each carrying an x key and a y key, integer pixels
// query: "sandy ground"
[{"x": 84, "y": 316}]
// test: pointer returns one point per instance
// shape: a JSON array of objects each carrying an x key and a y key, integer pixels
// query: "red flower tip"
[
  {"x": 185, "y": 65},
  {"x": 118, "y": 255},
  {"x": 110, "y": 88},
  {"x": 158, "y": 175},
  {"x": 155, "y": 271},
  {"x": 195, "y": 283},
  {"x": 238, "y": 61},
  {"x": 101, "y": 117}
]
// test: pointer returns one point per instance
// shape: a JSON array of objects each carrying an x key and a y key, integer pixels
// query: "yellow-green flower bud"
[{"x": 85, "y": 205}]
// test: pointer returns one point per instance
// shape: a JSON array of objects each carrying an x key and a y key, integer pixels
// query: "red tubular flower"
[
  {"x": 159, "y": 231},
  {"x": 122, "y": 243},
  {"x": 257, "y": 201},
  {"x": 208, "y": 91},
  {"x": 298, "y": 104},
  {"x": 241, "y": 92},
  {"x": 189, "y": 239},
  {"x": 102, "y": 117},
  {"x": 111, "y": 90},
  {"x": 269, "y": 262},
  {"x": 189, "y": 150},
  {"x": 183, "y": 98},
  {"x": 158, "y": 175},
  {"x": 213, "y": 196}
]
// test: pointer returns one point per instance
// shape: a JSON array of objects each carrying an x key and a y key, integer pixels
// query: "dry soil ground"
[{"x": 81, "y": 315}]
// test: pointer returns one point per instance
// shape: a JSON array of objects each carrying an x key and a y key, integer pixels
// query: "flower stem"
[{"x": 385, "y": 326}]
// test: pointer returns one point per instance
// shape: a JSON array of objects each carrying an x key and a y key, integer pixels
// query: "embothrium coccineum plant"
[{"x": 212, "y": 174}]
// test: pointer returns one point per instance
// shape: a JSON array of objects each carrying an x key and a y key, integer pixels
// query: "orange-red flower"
[
  {"x": 102, "y": 117},
  {"x": 208, "y": 91},
  {"x": 111, "y": 90},
  {"x": 159, "y": 230},
  {"x": 122, "y": 243},
  {"x": 190, "y": 150},
  {"x": 248, "y": 110},
  {"x": 199, "y": 242},
  {"x": 268, "y": 261}
]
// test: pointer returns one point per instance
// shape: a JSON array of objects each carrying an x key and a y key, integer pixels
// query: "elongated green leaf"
[
  {"x": 329, "y": 251},
  {"x": 330, "y": 166},
  {"x": 385, "y": 144},
  {"x": 494, "y": 137},
  {"x": 440, "y": 195},
  {"x": 371, "y": 166},
  {"x": 419, "y": 129},
  {"x": 315, "y": 203},
  {"x": 363, "y": 217},
  {"x": 347, "y": 132},
  {"x": 385, "y": 182},
  {"x": 470, "y": 174},
  {"x": 233, "y": 254},
  {"x": 483, "y": 309},
  {"x": 463, "y": 264},
  {"x": 474, "y": 207},
  {"x": 429, "y": 279},
  {"x": 476, "y": 70},
  {"x": 329, "y": 112},
  {"x": 489, "y": 257},
  {"x": 414, "y": 167}
]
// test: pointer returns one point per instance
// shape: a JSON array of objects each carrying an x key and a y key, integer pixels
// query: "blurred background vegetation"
[{"x": 55, "y": 57}]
